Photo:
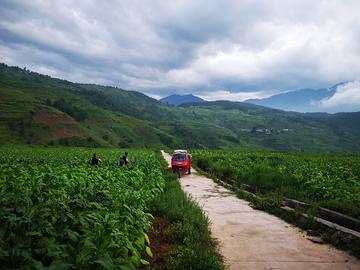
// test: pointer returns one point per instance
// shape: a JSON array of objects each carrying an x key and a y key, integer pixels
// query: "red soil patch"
[{"x": 53, "y": 118}]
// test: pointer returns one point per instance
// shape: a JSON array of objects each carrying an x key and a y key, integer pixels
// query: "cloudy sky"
[{"x": 216, "y": 49}]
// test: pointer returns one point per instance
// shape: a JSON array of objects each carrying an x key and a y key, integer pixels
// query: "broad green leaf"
[
  {"x": 124, "y": 264},
  {"x": 147, "y": 238},
  {"x": 102, "y": 259},
  {"x": 41, "y": 251},
  {"x": 57, "y": 265},
  {"x": 73, "y": 235},
  {"x": 21, "y": 251},
  {"x": 33, "y": 233},
  {"x": 85, "y": 252},
  {"x": 63, "y": 250},
  {"x": 148, "y": 251},
  {"x": 144, "y": 262},
  {"x": 37, "y": 264},
  {"x": 46, "y": 242}
]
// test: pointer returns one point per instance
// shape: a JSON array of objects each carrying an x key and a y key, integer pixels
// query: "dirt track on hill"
[{"x": 252, "y": 239}]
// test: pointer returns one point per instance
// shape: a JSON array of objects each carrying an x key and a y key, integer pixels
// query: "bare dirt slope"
[{"x": 252, "y": 239}]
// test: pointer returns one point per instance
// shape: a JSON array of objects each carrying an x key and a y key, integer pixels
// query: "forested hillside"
[{"x": 37, "y": 109}]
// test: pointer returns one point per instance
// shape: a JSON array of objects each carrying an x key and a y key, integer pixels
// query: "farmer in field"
[
  {"x": 124, "y": 160},
  {"x": 95, "y": 160}
]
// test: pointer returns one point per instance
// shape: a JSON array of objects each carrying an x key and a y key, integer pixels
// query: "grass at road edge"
[
  {"x": 271, "y": 205},
  {"x": 187, "y": 230}
]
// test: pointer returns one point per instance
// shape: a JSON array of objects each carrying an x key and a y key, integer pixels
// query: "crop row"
[
  {"x": 57, "y": 211},
  {"x": 327, "y": 180}
]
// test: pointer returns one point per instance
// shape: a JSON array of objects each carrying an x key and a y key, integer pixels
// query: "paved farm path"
[{"x": 252, "y": 239}]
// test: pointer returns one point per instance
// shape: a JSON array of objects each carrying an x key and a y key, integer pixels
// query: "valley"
[{"x": 39, "y": 110}]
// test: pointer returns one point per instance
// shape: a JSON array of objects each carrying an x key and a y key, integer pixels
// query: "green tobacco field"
[
  {"x": 59, "y": 212},
  {"x": 314, "y": 183},
  {"x": 325, "y": 180}
]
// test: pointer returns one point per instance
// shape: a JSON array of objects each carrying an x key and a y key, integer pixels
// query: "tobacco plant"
[
  {"x": 58, "y": 212},
  {"x": 328, "y": 180}
]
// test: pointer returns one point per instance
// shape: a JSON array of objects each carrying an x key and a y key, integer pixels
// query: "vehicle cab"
[{"x": 181, "y": 162}]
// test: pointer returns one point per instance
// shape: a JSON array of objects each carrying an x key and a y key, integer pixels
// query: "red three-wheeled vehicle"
[{"x": 181, "y": 162}]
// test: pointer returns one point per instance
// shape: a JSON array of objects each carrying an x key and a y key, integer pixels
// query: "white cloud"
[
  {"x": 348, "y": 93},
  {"x": 227, "y": 95},
  {"x": 154, "y": 96}
]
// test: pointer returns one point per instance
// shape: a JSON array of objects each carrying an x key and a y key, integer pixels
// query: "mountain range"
[
  {"x": 36, "y": 109},
  {"x": 302, "y": 100},
  {"x": 306, "y": 100}
]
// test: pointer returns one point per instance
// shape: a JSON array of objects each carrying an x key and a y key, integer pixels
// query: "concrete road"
[{"x": 252, "y": 239}]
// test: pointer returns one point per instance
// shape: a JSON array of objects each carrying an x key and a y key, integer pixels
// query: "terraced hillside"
[{"x": 41, "y": 110}]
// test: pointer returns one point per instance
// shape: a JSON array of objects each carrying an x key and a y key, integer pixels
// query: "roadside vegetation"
[
  {"x": 329, "y": 181},
  {"x": 190, "y": 245}
]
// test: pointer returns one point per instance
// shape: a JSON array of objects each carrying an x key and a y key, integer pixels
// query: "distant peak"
[{"x": 176, "y": 99}]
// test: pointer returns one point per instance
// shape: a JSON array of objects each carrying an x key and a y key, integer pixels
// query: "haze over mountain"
[
  {"x": 176, "y": 99},
  {"x": 327, "y": 100},
  {"x": 310, "y": 100}
]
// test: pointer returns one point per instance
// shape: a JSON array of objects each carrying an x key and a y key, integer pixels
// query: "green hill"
[
  {"x": 34, "y": 112},
  {"x": 273, "y": 129},
  {"x": 37, "y": 109}
]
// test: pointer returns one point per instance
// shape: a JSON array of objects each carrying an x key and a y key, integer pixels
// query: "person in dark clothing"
[
  {"x": 123, "y": 160},
  {"x": 95, "y": 160}
]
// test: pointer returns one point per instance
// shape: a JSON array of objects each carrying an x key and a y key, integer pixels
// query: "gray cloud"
[{"x": 214, "y": 49}]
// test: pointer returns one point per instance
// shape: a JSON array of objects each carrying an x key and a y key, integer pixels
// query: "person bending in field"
[
  {"x": 95, "y": 160},
  {"x": 124, "y": 160}
]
